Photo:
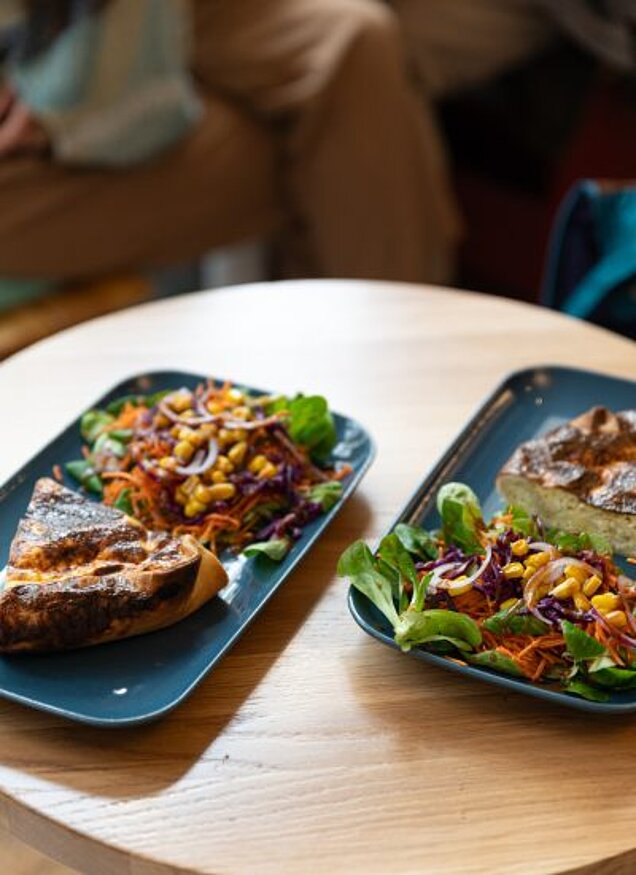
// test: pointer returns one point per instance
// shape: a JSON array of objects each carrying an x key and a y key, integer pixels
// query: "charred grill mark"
[
  {"x": 72, "y": 613},
  {"x": 81, "y": 572}
]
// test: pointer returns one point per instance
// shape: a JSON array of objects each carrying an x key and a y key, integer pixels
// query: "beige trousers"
[
  {"x": 455, "y": 44},
  {"x": 311, "y": 125}
]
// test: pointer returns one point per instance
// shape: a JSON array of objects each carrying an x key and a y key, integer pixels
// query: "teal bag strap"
[{"x": 614, "y": 221}]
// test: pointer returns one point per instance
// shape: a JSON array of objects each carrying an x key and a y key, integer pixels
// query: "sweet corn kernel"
[
  {"x": 238, "y": 434},
  {"x": 214, "y": 407},
  {"x": 519, "y": 548},
  {"x": 224, "y": 437},
  {"x": 237, "y": 453},
  {"x": 190, "y": 484},
  {"x": 180, "y": 495},
  {"x": 235, "y": 395},
  {"x": 591, "y": 585},
  {"x": 184, "y": 451},
  {"x": 582, "y": 602},
  {"x": 161, "y": 421},
  {"x": 536, "y": 560},
  {"x": 509, "y": 603},
  {"x": 180, "y": 401},
  {"x": 175, "y": 431},
  {"x": 186, "y": 434},
  {"x": 527, "y": 574},
  {"x": 218, "y": 477},
  {"x": 459, "y": 587},
  {"x": 257, "y": 463},
  {"x": 565, "y": 590},
  {"x": 207, "y": 430},
  {"x": 168, "y": 463},
  {"x": 616, "y": 618},
  {"x": 222, "y": 491},
  {"x": 241, "y": 413},
  {"x": 606, "y": 602},
  {"x": 576, "y": 572},
  {"x": 223, "y": 464},
  {"x": 512, "y": 570},
  {"x": 268, "y": 470},
  {"x": 194, "y": 508},
  {"x": 203, "y": 494}
]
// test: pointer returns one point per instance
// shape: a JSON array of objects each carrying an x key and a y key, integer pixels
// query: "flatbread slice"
[{"x": 82, "y": 573}]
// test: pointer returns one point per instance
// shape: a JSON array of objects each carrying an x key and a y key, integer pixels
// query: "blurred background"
[{"x": 155, "y": 147}]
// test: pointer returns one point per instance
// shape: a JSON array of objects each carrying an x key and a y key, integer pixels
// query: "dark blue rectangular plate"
[
  {"x": 527, "y": 404},
  {"x": 141, "y": 679}
]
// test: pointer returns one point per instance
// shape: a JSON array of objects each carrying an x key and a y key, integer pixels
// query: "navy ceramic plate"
[
  {"x": 527, "y": 404},
  {"x": 140, "y": 679}
]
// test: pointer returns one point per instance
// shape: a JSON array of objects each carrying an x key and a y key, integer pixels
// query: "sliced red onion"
[
  {"x": 437, "y": 579},
  {"x": 626, "y": 640},
  {"x": 249, "y": 424},
  {"x": 547, "y": 575},
  {"x": 623, "y": 583},
  {"x": 202, "y": 460},
  {"x": 542, "y": 546},
  {"x": 178, "y": 418}
]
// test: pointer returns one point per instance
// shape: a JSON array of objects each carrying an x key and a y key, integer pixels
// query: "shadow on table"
[
  {"x": 134, "y": 762},
  {"x": 423, "y": 711}
]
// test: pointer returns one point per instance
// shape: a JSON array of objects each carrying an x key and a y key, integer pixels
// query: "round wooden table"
[{"x": 311, "y": 748}]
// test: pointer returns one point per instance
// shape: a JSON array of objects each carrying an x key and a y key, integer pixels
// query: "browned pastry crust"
[
  {"x": 593, "y": 457},
  {"x": 82, "y": 573},
  {"x": 580, "y": 477}
]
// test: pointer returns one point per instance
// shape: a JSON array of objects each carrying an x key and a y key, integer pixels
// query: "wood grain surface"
[{"x": 311, "y": 748}]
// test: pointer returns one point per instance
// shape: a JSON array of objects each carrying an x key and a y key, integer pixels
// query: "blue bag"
[{"x": 591, "y": 263}]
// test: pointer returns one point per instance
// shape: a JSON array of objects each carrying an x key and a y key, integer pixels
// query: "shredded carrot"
[{"x": 161, "y": 492}]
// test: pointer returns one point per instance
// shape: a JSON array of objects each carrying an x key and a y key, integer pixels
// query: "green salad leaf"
[
  {"x": 461, "y": 515},
  {"x": 523, "y": 522},
  {"x": 579, "y": 644},
  {"x": 393, "y": 554},
  {"x": 82, "y": 471},
  {"x": 494, "y": 659},
  {"x": 327, "y": 494},
  {"x": 567, "y": 542},
  {"x": 109, "y": 445},
  {"x": 417, "y": 541},
  {"x": 418, "y": 627},
  {"x": 419, "y": 592},
  {"x": 123, "y": 502},
  {"x": 309, "y": 423},
  {"x": 614, "y": 677},
  {"x": 509, "y": 622},
  {"x": 93, "y": 424},
  {"x": 357, "y": 564},
  {"x": 586, "y": 691},
  {"x": 275, "y": 549}
]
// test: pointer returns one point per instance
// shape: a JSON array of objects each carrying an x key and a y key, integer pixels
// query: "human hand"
[{"x": 20, "y": 130}]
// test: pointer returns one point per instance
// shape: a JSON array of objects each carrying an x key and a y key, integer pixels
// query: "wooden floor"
[{"x": 18, "y": 859}]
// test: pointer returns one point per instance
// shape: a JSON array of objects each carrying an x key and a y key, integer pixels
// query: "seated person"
[{"x": 122, "y": 145}]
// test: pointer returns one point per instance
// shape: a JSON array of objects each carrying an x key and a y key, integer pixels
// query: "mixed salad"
[
  {"x": 507, "y": 595},
  {"x": 235, "y": 470}
]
